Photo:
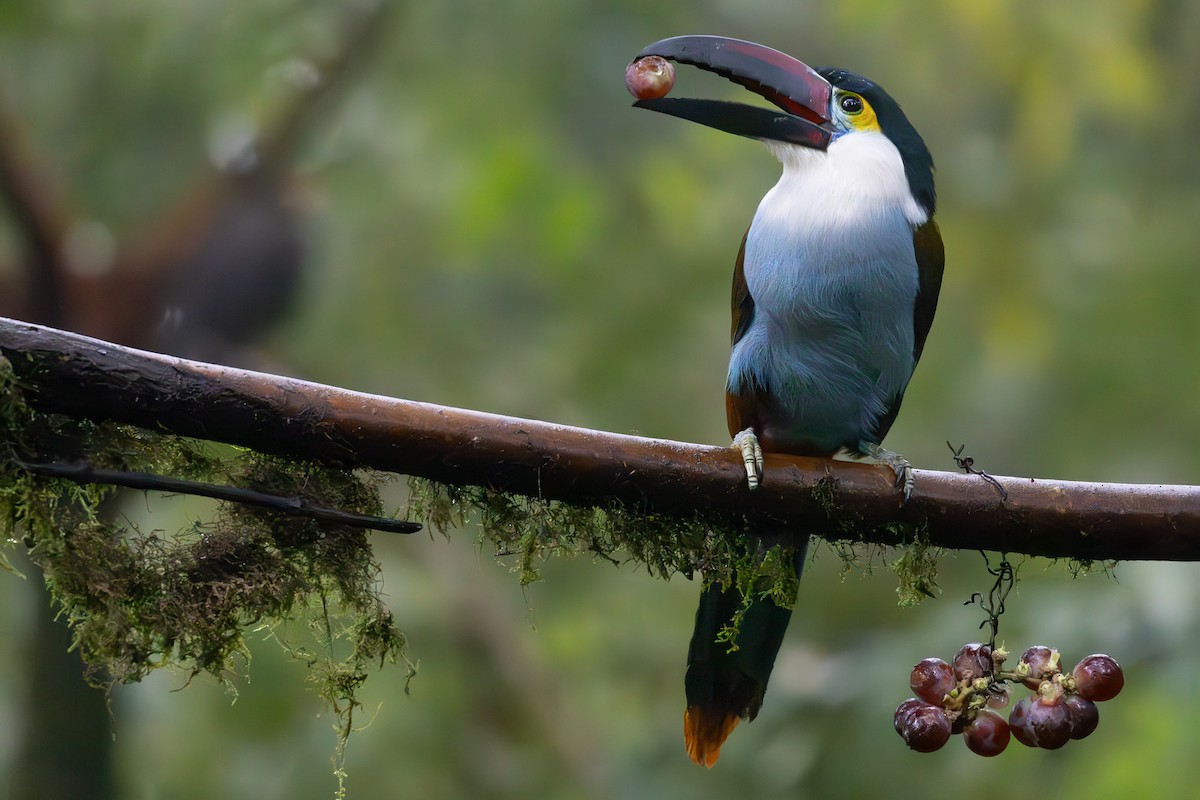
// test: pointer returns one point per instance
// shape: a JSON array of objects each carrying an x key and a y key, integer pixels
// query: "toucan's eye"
[{"x": 852, "y": 104}]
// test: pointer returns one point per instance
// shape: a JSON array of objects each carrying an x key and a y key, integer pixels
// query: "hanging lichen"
[
  {"x": 137, "y": 602},
  {"x": 916, "y": 569},
  {"x": 528, "y": 530}
]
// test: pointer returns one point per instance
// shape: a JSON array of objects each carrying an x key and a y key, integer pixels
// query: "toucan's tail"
[{"x": 724, "y": 687}]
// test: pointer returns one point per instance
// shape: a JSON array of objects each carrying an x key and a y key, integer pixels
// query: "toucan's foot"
[
  {"x": 752, "y": 456},
  {"x": 898, "y": 464}
]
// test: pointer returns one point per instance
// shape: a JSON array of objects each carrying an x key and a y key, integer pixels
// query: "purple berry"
[
  {"x": 987, "y": 734},
  {"x": 1098, "y": 677},
  {"x": 1082, "y": 715},
  {"x": 650, "y": 78},
  {"x": 902, "y": 712},
  {"x": 924, "y": 727},
  {"x": 972, "y": 661},
  {"x": 1038, "y": 721},
  {"x": 999, "y": 699},
  {"x": 932, "y": 679},
  {"x": 1043, "y": 663}
]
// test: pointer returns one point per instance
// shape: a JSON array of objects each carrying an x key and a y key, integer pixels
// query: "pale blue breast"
[{"x": 834, "y": 280}]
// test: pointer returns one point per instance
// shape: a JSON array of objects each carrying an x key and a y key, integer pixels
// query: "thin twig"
[
  {"x": 967, "y": 465},
  {"x": 83, "y": 472},
  {"x": 994, "y": 605}
]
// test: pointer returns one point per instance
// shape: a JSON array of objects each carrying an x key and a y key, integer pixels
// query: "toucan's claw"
[
  {"x": 898, "y": 464},
  {"x": 752, "y": 456}
]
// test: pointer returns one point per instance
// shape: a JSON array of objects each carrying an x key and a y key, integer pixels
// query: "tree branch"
[{"x": 81, "y": 377}]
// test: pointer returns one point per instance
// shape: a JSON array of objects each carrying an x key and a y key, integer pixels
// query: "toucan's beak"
[{"x": 792, "y": 85}]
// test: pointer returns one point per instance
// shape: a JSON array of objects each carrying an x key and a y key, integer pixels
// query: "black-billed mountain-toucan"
[{"x": 834, "y": 291}]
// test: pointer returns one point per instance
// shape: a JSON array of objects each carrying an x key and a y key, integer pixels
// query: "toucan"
[{"x": 834, "y": 291}]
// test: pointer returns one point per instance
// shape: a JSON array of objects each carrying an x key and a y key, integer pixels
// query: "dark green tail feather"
[{"x": 720, "y": 682}]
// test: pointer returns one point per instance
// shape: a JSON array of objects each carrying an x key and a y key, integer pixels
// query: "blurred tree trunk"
[
  {"x": 64, "y": 742},
  {"x": 65, "y": 739}
]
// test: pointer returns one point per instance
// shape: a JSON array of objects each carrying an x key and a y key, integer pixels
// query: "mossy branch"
[{"x": 86, "y": 378}]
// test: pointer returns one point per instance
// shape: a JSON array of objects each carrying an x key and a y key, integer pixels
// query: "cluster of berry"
[{"x": 963, "y": 698}]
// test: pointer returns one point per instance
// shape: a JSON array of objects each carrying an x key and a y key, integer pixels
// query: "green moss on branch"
[{"x": 137, "y": 602}]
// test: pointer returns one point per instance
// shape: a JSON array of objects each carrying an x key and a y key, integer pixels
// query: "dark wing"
[
  {"x": 931, "y": 259},
  {"x": 742, "y": 410},
  {"x": 743, "y": 303}
]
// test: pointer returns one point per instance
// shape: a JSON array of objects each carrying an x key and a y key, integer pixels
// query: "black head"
[{"x": 885, "y": 113}]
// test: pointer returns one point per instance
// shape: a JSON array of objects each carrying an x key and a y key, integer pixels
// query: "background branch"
[
  {"x": 292, "y": 506},
  {"x": 82, "y": 377}
]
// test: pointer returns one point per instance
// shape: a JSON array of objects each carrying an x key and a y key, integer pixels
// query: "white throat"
[{"x": 860, "y": 171}]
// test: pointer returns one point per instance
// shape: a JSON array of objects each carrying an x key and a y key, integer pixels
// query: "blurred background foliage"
[{"x": 485, "y": 222}]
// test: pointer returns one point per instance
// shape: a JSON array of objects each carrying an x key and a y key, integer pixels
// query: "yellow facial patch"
[{"x": 865, "y": 119}]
